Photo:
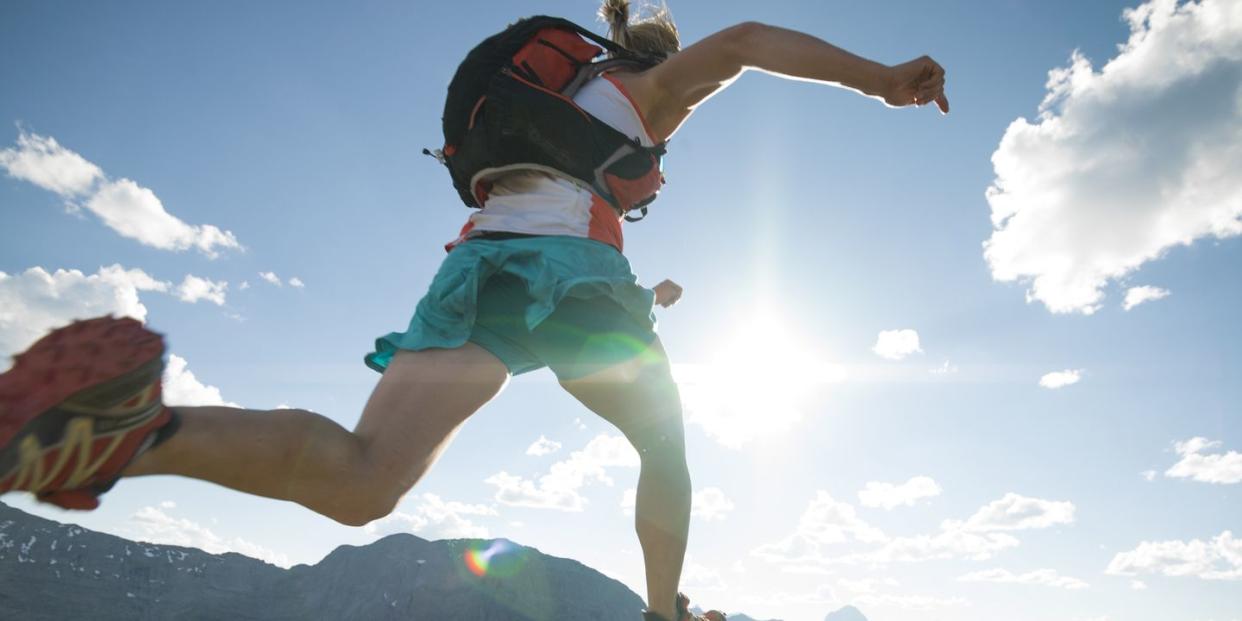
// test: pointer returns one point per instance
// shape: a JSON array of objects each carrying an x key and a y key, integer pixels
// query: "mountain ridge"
[{"x": 401, "y": 576}]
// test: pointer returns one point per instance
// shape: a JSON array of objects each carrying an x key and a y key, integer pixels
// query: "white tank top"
[{"x": 537, "y": 203}]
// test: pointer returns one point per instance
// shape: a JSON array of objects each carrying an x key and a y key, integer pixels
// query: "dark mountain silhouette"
[
  {"x": 56, "y": 571},
  {"x": 53, "y": 571}
]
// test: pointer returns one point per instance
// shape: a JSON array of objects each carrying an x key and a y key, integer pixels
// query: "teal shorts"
[{"x": 567, "y": 303}]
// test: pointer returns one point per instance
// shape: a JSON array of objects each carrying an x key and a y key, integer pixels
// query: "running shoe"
[
  {"x": 684, "y": 614},
  {"x": 78, "y": 407}
]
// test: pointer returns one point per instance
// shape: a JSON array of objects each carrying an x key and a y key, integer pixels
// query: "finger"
[
  {"x": 929, "y": 95},
  {"x": 943, "y": 103}
]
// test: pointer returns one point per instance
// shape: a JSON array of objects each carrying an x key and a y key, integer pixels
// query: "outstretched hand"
[
  {"x": 667, "y": 293},
  {"x": 918, "y": 82}
]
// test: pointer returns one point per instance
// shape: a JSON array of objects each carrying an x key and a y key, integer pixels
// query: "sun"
[{"x": 759, "y": 382}]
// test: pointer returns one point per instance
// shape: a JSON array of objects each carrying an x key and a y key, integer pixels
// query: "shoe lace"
[{"x": 78, "y": 441}]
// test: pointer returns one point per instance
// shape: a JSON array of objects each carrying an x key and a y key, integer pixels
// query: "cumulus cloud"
[
  {"x": 896, "y": 344},
  {"x": 182, "y": 388},
  {"x": 124, "y": 206},
  {"x": 1060, "y": 379},
  {"x": 1217, "y": 559},
  {"x": 978, "y": 538},
  {"x": 297, "y": 283},
  {"x": 543, "y": 446},
  {"x": 825, "y": 521},
  {"x": 272, "y": 278},
  {"x": 42, "y": 161},
  {"x": 952, "y": 542},
  {"x": 1139, "y": 295},
  {"x": 193, "y": 289},
  {"x": 155, "y": 526},
  {"x": 1016, "y": 512},
  {"x": 709, "y": 504},
  {"x": 699, "y": 577},
  {"x": 890, "y": 496},
  {"x": 1196, "y": 464},
  {"x": 1044, "y": 577},
  {"x": 433, "y": 518},
  {"x": 36, "y": 301},
  {"x": 1126, "y": 162},
  {"x": 560, "y": 488}
]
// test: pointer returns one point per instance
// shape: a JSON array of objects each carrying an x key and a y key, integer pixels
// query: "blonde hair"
[{"x": 654, "y": 33}]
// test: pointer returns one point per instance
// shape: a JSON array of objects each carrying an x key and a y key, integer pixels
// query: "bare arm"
[{"x": 673, "y": 89}]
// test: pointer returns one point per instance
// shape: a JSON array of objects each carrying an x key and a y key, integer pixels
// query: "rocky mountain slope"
[{"x": 52, "y": 571}]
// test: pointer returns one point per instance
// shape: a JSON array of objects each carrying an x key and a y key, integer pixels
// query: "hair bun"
[{"x": 615, "y": 13}]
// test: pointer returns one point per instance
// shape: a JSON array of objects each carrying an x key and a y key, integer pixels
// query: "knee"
[
  {"x": 366, "y": 494},
  {"x": 363, "y": 506}
]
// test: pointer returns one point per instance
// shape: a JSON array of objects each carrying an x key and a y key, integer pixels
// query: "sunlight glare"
[{"x": 759, "y": 383}]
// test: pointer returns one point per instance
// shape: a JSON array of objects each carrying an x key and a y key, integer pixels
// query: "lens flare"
[{"x": 492, "y": 558}]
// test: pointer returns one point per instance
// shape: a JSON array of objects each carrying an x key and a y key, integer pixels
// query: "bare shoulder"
[{"x": 669, "y": 92}]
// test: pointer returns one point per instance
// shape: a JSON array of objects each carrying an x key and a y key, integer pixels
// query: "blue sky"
[{"x": 802, "y": 221}]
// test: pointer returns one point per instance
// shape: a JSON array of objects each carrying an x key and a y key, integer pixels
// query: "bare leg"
[
  {"x": 420, "y": 402},
  {"x": 641, "y": 399}
]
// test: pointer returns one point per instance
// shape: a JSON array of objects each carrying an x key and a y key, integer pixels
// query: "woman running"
[{"x": 536, "y": 279}]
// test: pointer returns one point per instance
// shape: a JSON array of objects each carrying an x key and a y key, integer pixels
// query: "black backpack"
[{"x": 510, "y": 107}]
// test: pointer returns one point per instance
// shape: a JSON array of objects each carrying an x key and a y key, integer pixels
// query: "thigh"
[
  {"x": 585, "y": 337},
  {"x": 421, "y": 400},
  {"x": 638, "y": 396}
]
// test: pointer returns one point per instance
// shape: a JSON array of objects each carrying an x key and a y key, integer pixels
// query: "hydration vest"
[{"x": 510, "y": 108}]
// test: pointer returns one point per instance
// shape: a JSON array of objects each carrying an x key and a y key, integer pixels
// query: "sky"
[{"x": 966, "y": 367}]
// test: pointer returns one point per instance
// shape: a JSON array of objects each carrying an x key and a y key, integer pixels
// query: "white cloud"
[
  {"x": 1124, "y": 163},
  {"x": 559, "y": 489},
  {"x": 543, "y": 446},
  {"x": 978, "y": 538},
  {"x": 1217, "y": 559},
  {"x": 124, "y": 206},
  {"x": 825, "y": 521},
  {"x": 168, "y": 504},
  {"x": 896, "y": 344},
  {"x": 890, "y": 496},
  {"x": 1061, "y": 379},
  {"x": 37, "y": 301},
  {"x": 709, "y": 504},
  {"x": 297, "y": 283},
  {"x": 154, "y": 526},
  {"x": 698, "y": 577},
  {"x": 182, "y": 388},
  {"x": 43, "y": 162},
  {"x": 1016, "y": 512},
  {"x": 944, "y": 369},
  {"x": 1138, "y": 585},
  {"x": 244, "y": 285},
  {"x": 272, "y": 278},
  {"x": 193, "y": 289},
  {"x": 1148, "y": 475},
  {"x": 1139, "y": 295},
  {"x": 1044, "y": 577},
  {"x": 434, "y": 518},
  {"x": 1224, "y": 468},
  {"x": 953, "y": 542}
]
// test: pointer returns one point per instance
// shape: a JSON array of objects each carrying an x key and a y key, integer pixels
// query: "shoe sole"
[{"x": 94, "y": 361}]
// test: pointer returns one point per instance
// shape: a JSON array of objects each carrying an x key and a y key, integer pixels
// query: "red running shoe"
[
  {"x": 684, "y": 614},
  {"x": 78, "y": 407}
]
